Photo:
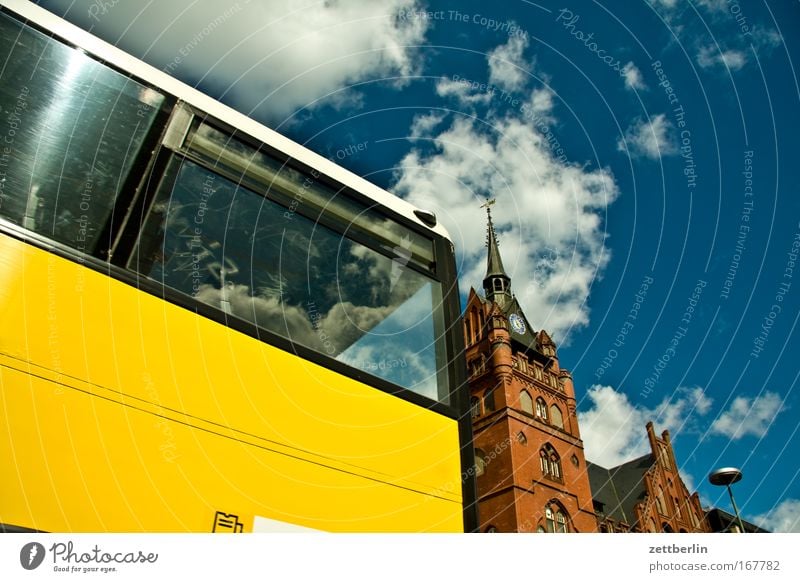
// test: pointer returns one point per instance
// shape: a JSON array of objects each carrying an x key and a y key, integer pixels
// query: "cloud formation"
[
  {"x": 268, "y": 59},
  {"x": 748, "y": 416},
  {"x": 509, "y": 159},
  {"x": 507, "y": 66},
  {"x": 613, "y": 429},
  {"x": 633, "y": 77},
  {"x": 648, "y": 138},
  {"x": 783, "y": 518}
]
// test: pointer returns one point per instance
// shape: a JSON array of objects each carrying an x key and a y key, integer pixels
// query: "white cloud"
[
  {"x": 423, "y": 125},
  {"x": 613, "y": 429},
  {"x": 507, "y": 66},
  {"x": 783, "y": 518},
  {"x": 648, "y": 138},
  {"x": 465, "y": 92},
  {"x": 563, "y": 205},
  {"x": 514, "y": 157},
  {"x": 710, "y": 56},
  {"x": 267, "y": 57},
  {"x": 633, "y": 77},
  {"x": 747, "y": 416}
]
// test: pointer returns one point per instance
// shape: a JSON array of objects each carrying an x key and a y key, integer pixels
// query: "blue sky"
[{"x": 643, "y": 158}]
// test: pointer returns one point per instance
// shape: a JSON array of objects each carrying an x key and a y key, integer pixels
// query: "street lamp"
[{"x": 727, "y": 477}]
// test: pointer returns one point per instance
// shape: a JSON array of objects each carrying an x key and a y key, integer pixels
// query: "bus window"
[
  {"x": 71, "y": 128},
  {"x": 229, "y": 247}
]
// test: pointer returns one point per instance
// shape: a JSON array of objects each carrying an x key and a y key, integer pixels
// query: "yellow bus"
[{"x": 205, "y": 326}]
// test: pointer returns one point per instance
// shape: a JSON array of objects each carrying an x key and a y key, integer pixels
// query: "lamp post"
[{"x": 727, "y": 477}]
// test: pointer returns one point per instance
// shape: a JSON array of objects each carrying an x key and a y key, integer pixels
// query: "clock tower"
[{"x": 531, "y": 472}]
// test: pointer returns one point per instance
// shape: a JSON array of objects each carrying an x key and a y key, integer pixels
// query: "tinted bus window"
[
  {"x": 70, "y": 129},
  {"x": 234, "y": 249}
]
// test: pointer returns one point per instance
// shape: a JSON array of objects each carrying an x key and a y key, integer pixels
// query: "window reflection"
[
  {"x": 233, "y": 249},
  {"x": 71, "y": 129}
]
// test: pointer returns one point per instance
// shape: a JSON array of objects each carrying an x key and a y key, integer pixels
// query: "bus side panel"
[
  {"x": 80, "y": 463},
  {"x": 150, "y": 409}
]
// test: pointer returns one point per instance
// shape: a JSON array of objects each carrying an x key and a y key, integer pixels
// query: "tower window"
[
  {"x": 488, "y": 400},
  {"x": 555, "y": 518},
  {"x": 550, "y": 462},
  {"x": 475, "y": 406},
  {"x": 556, "y": 417},
  {"x": 541, "y": 408},
  {"x": 480, "y": 462},
  {"x": 526, "y": 402}
]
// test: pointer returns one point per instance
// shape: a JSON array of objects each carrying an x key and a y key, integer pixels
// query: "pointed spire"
[{"x": 497, "y": 283}]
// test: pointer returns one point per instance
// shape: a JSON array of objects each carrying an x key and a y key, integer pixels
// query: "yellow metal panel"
[{"x": 274, "y": 435}]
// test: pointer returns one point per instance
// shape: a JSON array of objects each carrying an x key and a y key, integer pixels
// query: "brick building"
[
  {"x": 646, "y": 494},
  {"x": 531, "y": 472}
]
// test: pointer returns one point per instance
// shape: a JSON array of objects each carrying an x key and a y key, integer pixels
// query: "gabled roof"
[{"x": 620, "y": 488}]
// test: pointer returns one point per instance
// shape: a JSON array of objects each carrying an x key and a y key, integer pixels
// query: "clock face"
[{"x": 517, "y": 323}]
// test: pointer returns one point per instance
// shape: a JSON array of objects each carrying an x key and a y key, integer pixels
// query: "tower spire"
[{"x": 496, "y": 284}]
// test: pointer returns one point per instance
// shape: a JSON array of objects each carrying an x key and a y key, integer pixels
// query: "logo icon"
[
  {"x": 227, "y": 523},
  {"x": 31, "y": 555}
]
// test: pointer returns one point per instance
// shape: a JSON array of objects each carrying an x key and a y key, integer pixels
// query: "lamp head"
[{"x": 725, "y": 476}]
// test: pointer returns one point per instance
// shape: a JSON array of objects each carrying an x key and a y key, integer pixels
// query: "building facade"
[
  {"x": 532, "y": 475},
  {"x": 646, "y": 494}
]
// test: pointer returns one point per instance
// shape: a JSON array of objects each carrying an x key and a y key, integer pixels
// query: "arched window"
[
  {"x": 555, "y": 416},
  {"x": 555, "y": 518},
  {"x": 488, "y": 400},
  {"x": 541, "y": 408},
  {"x": 526, "y": 402},
  {"x": 475, "y": 406},
  {"x": 468, "y": 328},
  {"x": 481, "y": 322},
  {"x": 550, "y": 462},
  {"x": 490, "y": 529},
  {"x": 521, "y": 438},
  {"x": 480, "y": 462},
  {"x": 665, "y": 527}
]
